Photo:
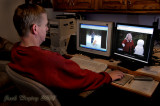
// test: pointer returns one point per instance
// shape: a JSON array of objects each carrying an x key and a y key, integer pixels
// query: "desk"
[{"x": 145, "y": 88}]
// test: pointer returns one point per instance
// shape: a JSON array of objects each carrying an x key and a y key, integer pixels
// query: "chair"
[{"x": 31, "y": 88}]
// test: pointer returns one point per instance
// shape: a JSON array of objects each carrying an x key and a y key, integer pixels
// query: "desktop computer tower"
[{"x": 60, "y": 32}]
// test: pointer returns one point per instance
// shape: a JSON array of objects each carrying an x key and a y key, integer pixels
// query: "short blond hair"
[{"x": 25, "y": 16}]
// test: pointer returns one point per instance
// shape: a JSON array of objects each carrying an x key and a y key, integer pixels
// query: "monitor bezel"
[
  {"x": 109, "y": 37},
  {"x": 131, "y": 60}
]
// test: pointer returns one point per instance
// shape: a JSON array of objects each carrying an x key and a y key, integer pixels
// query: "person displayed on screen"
[
  {"x": 47, "y": 67},
  {"x": 92, "y": 37},
  {"x": 128, "y": 44},
  {"x": 139, "y": 49}
]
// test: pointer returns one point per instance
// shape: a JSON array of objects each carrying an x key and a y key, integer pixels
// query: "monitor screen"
[
  {"x": 134, "y": 43},
  {"x": 94, "y": 37}
]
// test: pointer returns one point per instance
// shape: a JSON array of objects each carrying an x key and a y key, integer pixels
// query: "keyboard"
[
  {"x": 90, "y": 64},
  {"x": 124, "y": 80}
]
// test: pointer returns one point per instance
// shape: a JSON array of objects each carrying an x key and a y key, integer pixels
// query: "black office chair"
[{"x": 31, "y": 88}]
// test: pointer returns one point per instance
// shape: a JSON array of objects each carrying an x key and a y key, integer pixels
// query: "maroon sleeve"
[
  {"x": 70, "y": 76},
  {"x": 124, "y": 41}
]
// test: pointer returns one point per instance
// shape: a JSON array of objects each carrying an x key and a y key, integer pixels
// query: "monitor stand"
[
  {"x": 131, "y": 66},
  {"x": 93, "y": 56}
]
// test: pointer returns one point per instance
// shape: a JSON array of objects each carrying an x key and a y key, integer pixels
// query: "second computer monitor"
[
  {"x": 134, "y": 43},
  {"x": 94, "y": 37}
]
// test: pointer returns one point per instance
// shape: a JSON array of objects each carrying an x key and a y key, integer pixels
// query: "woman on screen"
[{"x": 128, "y": 44}]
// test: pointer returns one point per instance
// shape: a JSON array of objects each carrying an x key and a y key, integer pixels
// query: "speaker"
[{"x": 72, "y": 49}]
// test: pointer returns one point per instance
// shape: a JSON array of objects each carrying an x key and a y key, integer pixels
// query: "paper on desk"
[
  {"x": 142, "y": 86},
  {"x": 153, "y": 70}
]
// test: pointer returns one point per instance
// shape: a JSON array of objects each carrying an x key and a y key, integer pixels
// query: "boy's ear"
[{"x": 34, "y": 29}]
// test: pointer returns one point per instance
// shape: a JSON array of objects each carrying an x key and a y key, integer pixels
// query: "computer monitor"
[
  {"x": 94, "y": 37},
  {"x": 133, "y": 44}
]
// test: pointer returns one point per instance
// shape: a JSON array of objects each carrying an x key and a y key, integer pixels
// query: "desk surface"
[{"x": 145, "y": 88}]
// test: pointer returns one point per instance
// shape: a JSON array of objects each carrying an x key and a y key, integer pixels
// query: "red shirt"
[
  {"x": 53, "y": 70},
  {"x": 129, "y": 46}
]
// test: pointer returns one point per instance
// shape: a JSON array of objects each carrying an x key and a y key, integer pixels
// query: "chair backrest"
[{"x": 31, "y": 88}]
